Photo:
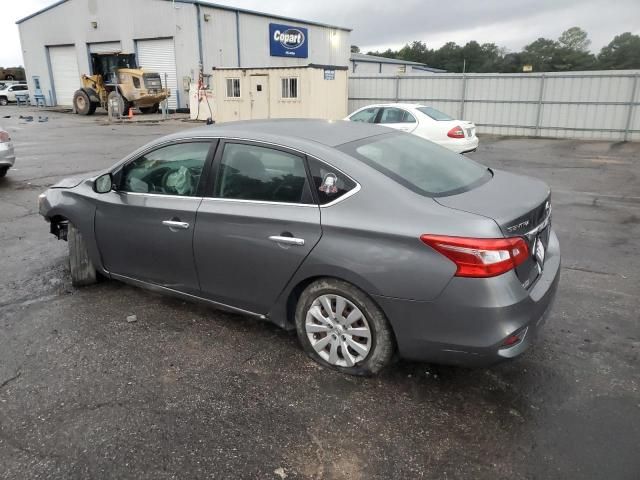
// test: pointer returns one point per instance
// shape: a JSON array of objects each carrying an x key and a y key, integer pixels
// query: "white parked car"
[
  {"x": 8, "y": 93},
  {"x": 423, "y": 121}
]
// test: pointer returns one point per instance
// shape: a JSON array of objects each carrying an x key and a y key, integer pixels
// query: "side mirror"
[{"x": 104, "y": 183}]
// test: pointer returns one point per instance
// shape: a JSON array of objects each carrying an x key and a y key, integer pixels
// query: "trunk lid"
[{"x": 521, "y": 206}]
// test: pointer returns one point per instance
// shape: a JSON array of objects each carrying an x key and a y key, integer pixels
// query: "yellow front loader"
[{"x": 118, "y": 83}]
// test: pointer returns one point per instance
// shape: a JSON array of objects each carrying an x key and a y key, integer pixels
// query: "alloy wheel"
[{"x": 338, "y": 331}]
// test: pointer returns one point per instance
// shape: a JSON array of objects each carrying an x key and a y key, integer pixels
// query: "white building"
[
  {"x": 287, "y": 92},
  {"x": 171, "y": 37},
  {"x": 362, "y": 64}
]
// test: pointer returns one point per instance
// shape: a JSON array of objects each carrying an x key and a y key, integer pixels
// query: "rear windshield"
[
  {"x": 435, "y": 114},
  {"x": 418, "y": 164}
]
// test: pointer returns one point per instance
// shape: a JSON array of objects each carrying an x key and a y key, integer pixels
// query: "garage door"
[
  {"x": 64, "y": 69},
  {"x": 105, "y": 47},
  {"x": 159, "y": 56}
]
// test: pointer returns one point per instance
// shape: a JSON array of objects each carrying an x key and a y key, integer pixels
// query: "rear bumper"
[
  {"x": 468, "y": 323},
  {"x": 461, "y": 145}
]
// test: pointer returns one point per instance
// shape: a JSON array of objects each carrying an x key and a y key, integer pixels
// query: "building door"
[
  {"x": 159, "y": 56},
  {"x": 64, "y": 70},
  {"x": 259, "y": 96}
]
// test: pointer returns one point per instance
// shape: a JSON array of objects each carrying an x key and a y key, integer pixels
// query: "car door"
[
  {"x": 144, "y": 227},
  {"x": 397, "y": 118},
  {"x": 257, "y": 227}
]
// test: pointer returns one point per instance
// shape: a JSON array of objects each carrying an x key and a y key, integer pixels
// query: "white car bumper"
[{"x": 460, "y": 145}]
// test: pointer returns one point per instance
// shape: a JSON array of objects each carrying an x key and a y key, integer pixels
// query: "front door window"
[{"x": 172, "y": 170}]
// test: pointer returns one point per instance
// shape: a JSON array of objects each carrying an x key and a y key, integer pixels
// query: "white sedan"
[{"x": 423, "y": 121}]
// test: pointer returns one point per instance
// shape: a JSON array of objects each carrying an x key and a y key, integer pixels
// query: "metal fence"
[{"x": 590, "y": 105}]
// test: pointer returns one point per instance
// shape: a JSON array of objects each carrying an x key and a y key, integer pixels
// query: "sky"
[{"x": 378, "y": 25}]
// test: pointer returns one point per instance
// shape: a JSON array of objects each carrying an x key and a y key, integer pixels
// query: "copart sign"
[{"x": 287, "y": 41}]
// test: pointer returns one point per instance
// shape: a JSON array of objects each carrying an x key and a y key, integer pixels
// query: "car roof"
[
  {"x": 400, "y": 105},
  {"x": 295, "y": 132}
]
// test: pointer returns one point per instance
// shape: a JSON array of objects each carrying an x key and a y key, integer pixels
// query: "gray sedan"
[
  {"x": 366, "y": 241},
  {"x": 7, "y": 155}
]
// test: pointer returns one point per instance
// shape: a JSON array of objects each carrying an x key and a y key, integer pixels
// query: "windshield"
[
  {"x": 435, "y": 114},
  {"x": 418, "y": 164}
]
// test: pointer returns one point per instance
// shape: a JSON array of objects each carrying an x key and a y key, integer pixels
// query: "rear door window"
[
  {"x": 368, "y": 115},
  {"x": 251, "y": 172},
  {"x": 396, "y": 115}
]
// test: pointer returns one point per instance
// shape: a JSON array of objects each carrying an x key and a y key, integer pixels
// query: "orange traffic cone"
[{"x": 130, "y": 113}]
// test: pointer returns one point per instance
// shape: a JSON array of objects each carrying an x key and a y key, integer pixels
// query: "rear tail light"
[
  {"x": 4, "y": 136},
  {"x": 456, "y": 132},
  {"x": 480, "y": 257}
]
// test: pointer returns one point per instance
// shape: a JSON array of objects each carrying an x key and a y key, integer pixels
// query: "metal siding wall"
[
  {"x": 105, "y": 47},
  {"x": 593, "y": 105},
  {"x": 219, "y": 38},
  {"x": 323, "y": 48},
  {"x": 365, "y": 68}
]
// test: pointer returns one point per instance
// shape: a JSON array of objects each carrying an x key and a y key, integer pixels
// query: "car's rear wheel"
[
  {"x": 82, "y": 270},
  {"x": 3, "y": 171},
  {"x": 4, "y": 101},
  {"x": 339, "y": 326}
]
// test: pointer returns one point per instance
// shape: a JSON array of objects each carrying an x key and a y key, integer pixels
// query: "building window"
[
  {"x": 233, "y": 88},
  {"x": 290, "y": 87}
]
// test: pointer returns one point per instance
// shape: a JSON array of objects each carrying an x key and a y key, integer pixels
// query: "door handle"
[
  {"x": 173, "y": 224},
  {"x": 287, "y": 240}
]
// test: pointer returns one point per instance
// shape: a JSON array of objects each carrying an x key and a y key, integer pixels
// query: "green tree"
[
  {"x": 448, "y": 57},
  {"x": 540, "y": 54},
  {"x": 355, "y": 49},
  {"x": 415, "y": 51},
  {"x": 622, "y": 53},
  {"x": 575, "y": 39},
  {"x": 572, "y": 52}
]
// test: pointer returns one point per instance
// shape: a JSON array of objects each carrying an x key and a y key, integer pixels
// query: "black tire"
[
  {"x": 92, "y": 108},
  {"x": 82, "y": 104},
  {"x": 82, "y": 270},
  {"x": 382, "y": 339},
  {"x": 4, "y": 101},
  {"x": 3, "y": 171},
  {"x": 152, "y": 109}
]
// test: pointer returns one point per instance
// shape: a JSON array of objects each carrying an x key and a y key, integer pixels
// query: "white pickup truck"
[{"x": 8, "y": 93}]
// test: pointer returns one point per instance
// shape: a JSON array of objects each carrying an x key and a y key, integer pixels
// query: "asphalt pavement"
[{"x": 190, "y": 392}]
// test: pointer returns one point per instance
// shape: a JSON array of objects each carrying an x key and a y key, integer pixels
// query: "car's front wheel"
[
  {"x": 4, "y": 101},
  {"x": 82, "y": 270},
  {"x": 339, "y": 326}
]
